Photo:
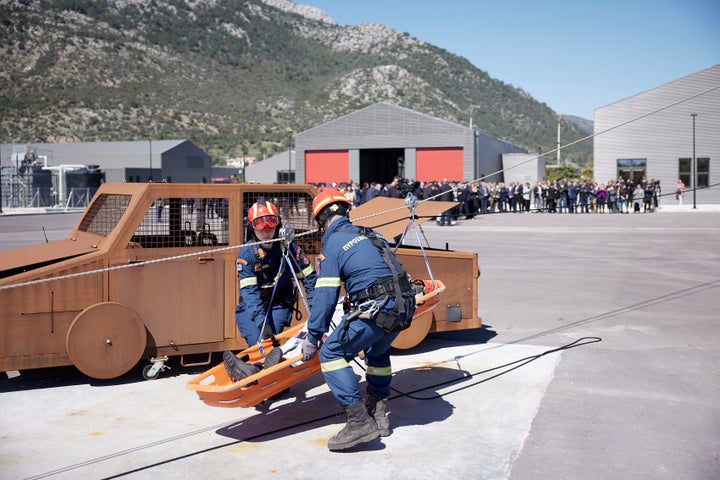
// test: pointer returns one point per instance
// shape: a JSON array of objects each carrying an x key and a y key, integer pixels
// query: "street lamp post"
[
  {"x": 289, "y": 157},
  {"x": 150, "y": 175},
  {"x": 694, "y": 164},
  {"x": 472, "y": 110}
]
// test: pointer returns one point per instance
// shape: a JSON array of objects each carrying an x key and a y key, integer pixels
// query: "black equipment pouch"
[
  {"x": 395, "y": 322},
  {"x": 265, "y": 294}
]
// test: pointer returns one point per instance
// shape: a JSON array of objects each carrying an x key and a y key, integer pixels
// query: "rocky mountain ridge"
[{"x": 236, "y": 77}]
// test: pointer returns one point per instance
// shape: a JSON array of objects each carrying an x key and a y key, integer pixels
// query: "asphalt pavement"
[{"x": 598, "y": 359}]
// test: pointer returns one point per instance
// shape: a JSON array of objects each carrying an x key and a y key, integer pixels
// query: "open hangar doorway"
[{"x": 381, "y": 164}]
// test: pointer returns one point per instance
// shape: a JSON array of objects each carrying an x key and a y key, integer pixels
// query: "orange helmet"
[
  {"x": 325, "y": 198},
  {"x": 263, "y": 215}
]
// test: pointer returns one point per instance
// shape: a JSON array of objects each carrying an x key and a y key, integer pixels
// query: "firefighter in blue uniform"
[
  {"x": 266, "y": 286},
  {"x": 382, "y": 303}
]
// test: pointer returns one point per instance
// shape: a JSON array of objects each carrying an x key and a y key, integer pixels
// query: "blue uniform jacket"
[
  {"x": 257, "y": 266},
  {"x": 346, "y": 257}
]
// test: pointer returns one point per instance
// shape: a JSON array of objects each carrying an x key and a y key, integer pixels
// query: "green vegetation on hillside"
[{"x": 236, "y": 77}]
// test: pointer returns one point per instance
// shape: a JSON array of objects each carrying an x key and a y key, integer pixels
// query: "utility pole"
[
  {"x": 558, "y": 141},
  {"x": 289, "y": 156},
  {"x": 694, "y": 164},
  {"x": 150, "y": 175},
  {"x": 472, "y": 110}
]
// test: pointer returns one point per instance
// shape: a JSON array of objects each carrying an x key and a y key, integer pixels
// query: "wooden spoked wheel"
[{"x": 106, "y": 340}]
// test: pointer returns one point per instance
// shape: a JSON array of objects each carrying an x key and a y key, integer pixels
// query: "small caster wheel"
[{"x": 150, "y": 373}]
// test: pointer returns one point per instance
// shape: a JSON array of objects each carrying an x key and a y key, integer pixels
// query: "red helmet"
[
  {"x": 325, "y": 198},
  {"x": 263, "y": 215}
]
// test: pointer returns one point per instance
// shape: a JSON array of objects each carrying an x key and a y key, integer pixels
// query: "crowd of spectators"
[{"x": 563, "y": 196}]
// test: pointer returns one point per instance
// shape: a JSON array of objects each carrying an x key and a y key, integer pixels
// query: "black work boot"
[
  {"x": 377, "y": 408},
  {"x": 236, "y": 368},
  {"x": 359, "y": 428},
  {"x": 273, "y": 357}
]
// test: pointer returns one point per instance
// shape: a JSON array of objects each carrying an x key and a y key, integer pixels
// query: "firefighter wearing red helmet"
[
  {"x": 383, "y": 304},
  {"x": 267, "y": 294}
]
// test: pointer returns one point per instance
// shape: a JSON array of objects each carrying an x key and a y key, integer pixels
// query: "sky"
[{"x": 573, "y": 55}]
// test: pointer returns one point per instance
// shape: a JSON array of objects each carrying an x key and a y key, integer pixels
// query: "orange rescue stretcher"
[{"x": 215, "y": 388}]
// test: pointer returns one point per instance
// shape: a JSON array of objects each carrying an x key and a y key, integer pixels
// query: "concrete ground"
[{"x": 599, "y": 358}]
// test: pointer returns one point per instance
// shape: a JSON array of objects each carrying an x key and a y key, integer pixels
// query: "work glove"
[{"x": 309, "y": 348}]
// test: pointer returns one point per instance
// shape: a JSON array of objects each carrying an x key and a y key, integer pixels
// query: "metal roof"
[{"x": 105, "y": 154}]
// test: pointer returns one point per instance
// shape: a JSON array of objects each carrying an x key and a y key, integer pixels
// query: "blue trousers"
[
  {"x": 335, "y": 358},
  {"x": 279, "y": 317}
]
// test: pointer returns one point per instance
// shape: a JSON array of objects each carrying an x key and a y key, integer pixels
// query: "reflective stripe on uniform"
[
  {"x": 249, "y": 281},
  {"x": 333, "y": 365},
  {"x": 379, "y": 371},
  {"x": 305, "y": 271},
  {"x": 333, "y": 282}
]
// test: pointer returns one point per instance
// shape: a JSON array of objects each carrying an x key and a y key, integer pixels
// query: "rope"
[{"x": 312, "y": 232}]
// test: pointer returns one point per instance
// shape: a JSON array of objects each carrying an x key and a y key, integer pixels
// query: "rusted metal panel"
[
  {"x": 389, "y": 216},
  {"x": 128, "y": 256}
]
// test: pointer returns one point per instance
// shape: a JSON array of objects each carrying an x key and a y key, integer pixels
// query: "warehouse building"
[
  {"x": 383, "y": 140},
  {"x": 661, "y": 133},
  {"x": 43, "y": 174}
]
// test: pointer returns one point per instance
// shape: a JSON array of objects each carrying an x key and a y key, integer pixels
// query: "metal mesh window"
[
  {"x": 295, "y": 209},
  {"x": 184, "y": 222},
  {"x": 104, "y": 213}
]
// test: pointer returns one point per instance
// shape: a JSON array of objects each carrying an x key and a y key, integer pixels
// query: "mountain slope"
[{"x": 236, "y": 77}]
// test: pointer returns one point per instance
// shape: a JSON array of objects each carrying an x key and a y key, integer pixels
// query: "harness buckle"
[{"x": 367, "y": 309}]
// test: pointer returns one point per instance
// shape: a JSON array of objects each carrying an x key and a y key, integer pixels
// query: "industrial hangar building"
[
  {"x": 660, "y": 133},
  {"x": 131, "y": 161},
  {"x": 376, "y": 143},
  {"x": 370, "y": 145},
  {"x": 383, "y": 140},
  {"x": 77, "y": 167}
]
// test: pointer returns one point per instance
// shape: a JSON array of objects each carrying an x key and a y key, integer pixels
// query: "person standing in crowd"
[
  {"x": 382, "y": 189},
  {"x": 362, "y": 261},
  {"x": 456, "y": 197},
  {"x": 526, "y": 193},
  {"x": 584, "y": 197},
  {"x": 470, "y": 196},
  {"x": 562, "y": 196},
  {"x": 539, "y": 194},
  {"x": 601, "y": 195},
  {"x": 266, "y": 290},
  {"x": 392, "y": 189},
  {"x": 680, "y": 191},
  {"x": 430, "y": 190},
  {"x": 573, "y": 192},
  {"x": 445, "y": 192},
  {"x": 625, "y": 192},
  {"x": 349, "y": 192},
  {"x": 612, "y": 197},
  {"x": 637, "y": 197},
  {"x": 648, "y": 194},
  {"x": 358, "y": 194},
  {"x": 371, "y": 193},
  {"x": 503, "y": 196},
  {"x": 494, "y": 198},
  {"x": 484, "y": 194},
  {"x": 551, "y": 198},
  {"x": 511, "y": 197}
]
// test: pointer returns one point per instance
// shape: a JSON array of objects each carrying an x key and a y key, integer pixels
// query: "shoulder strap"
[{"x": 392, "y": 262}]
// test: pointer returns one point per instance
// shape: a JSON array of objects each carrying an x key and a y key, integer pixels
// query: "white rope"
[{"x": 310, "y": 232}]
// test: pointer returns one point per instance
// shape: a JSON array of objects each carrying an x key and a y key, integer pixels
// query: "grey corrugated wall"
[{"x": 666, "y": 136}]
